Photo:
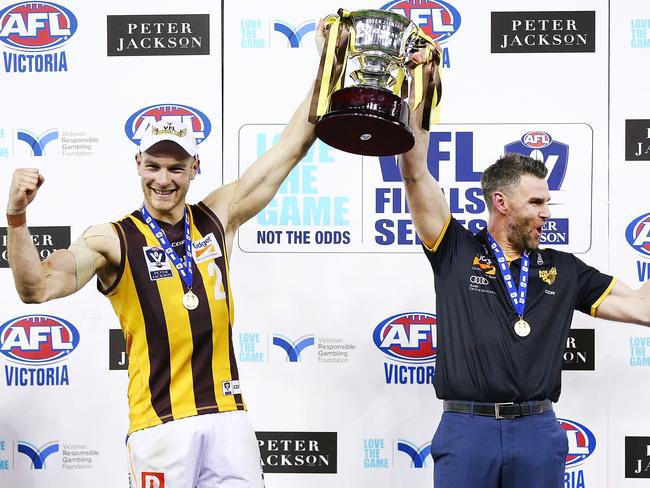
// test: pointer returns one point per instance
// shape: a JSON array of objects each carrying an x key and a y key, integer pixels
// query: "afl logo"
[
  {"x": 36, "y": 26},
  {"x": 196, "y": 120},
  {"x": 439, "y": 20},
  {"x": 638, "y": 234},
  {"x": 37, "y": 339},
  {"x": 582, "y": 443},
  {"x": 536, "y": 139},
  {"x": 407, "y": 337}
]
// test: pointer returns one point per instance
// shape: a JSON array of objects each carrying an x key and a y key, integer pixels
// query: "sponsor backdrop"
[{"x": 336, "y": 319}]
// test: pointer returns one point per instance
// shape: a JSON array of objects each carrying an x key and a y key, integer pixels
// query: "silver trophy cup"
[{"x": 370, "y": 116}]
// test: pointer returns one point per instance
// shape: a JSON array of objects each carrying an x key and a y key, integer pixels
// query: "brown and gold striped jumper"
[{"x": 181, "y": 362}]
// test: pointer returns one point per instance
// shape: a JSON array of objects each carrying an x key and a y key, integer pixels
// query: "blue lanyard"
[
  {"x": 517, "y": 297},
  {"x": 184, "y": 268}
]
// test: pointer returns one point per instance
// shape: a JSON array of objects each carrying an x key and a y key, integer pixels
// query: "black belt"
[{"x": 498, "y": 410}]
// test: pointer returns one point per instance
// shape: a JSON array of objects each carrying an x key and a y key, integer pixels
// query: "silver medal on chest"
[
  {"x": 522, "y": 329},
  {"x": 190, "y": 300}
]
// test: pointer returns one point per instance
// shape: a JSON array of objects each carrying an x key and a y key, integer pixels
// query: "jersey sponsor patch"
[
  {"x": 230, "y": 387},
  {"x": 485, "y": 264},
  {"x": 157, "y": 263},
  {"x": 205, "y": 249}
]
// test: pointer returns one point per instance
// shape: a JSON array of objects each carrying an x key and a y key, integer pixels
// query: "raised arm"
[
  {"x": 240, "y": 200},
  {"x": 64, "y": 271},
  {"x": 429, "y": 209},
  {"x": 626, "y": 305}
]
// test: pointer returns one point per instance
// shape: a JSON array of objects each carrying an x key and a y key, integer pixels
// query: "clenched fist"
[{"x": 24, "y": 185}]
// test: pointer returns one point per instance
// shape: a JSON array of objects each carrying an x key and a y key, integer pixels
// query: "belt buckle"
[{"x": 497, "y": 413}]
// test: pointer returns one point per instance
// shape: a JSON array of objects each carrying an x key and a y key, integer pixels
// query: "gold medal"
[
  {"x": 522, "y": 329},
  {"x": 190, "y": 300}
]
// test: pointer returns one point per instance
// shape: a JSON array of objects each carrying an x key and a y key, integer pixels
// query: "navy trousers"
[{"x": 471, "y": 451}]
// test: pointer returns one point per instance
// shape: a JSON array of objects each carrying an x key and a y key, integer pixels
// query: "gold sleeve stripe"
[
  {"x": 440, "y": 236},
  {"x": 594, "y": 307}
]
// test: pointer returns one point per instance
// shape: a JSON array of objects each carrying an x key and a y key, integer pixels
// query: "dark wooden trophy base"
[{"x": 368, "y": 121}]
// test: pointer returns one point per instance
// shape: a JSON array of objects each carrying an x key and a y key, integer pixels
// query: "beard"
[{"x": 519, "y": 234}]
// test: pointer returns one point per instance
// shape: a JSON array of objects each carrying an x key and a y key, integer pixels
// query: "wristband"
[{"x": 17, "y": 220}]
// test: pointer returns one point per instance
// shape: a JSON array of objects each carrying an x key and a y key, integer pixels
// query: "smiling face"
[
  {"x": 165, "y": 173},
  {"x": 527, "y": 212}
]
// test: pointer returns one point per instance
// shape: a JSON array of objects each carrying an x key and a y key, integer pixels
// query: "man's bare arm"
[
  {"x": 64, "y": 271},
  {"x": 244, "y": 198},
  {"x": 626, "y": 305}
]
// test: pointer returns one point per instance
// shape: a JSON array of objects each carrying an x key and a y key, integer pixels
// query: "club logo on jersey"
[
  {"x": 637, "y": 234},
  {"x": 206, "y": 249},
  {"x": 484, "y": 264},
  {"x": 407, "y": 337},
  {"x": 139, "y": 122},
  {"x": 548, "y": 275},
  {"x": 153, "y": 480},
  {"x": 158, "y": 265},
  {"x": 439, "y": 20},
  {"x": 540, "y": 145},
  {"x": 293, "y": 348},
  {"x": 36, "y": 26},
  {"x": 38, "y": 339},
  {"x": 582, "y": 442}
]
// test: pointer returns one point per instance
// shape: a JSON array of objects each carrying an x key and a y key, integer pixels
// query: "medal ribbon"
[
  {"x": 184, "y": 268},
  {"x": 517, "y": 297}
]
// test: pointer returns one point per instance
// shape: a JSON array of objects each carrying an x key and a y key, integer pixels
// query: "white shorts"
[{"x": 217, "y": 450}]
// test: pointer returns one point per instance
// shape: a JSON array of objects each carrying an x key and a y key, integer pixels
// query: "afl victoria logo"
[
  {"x": 37, "y": 339},
  {"x": 582, "y": 442},
  {"x": 36, "y": 26},
  {"x": 439, "y": 20},
  {"x": 637, "y": 234},
  {"x": 408, "y": 337}
]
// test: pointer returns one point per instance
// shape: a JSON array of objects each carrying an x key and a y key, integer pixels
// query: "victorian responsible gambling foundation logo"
[
  {"x": 194, "y": 119},
  {"x": 35, "y": 33},
  {"x": 439, "y": 20},
  {"x": 34, "y": 344},
  {"x": 417, "y": 454},
  {"x": 293, "y": 348},
  {"x": 582, "y": 444},
  {"x": 637, "y": 235},
  {"x": 408, "y": 342},
  {"x": 37, "y": 142},
  {"x": 293, "y": 34},
  {"x": 36, "y": 455}
]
